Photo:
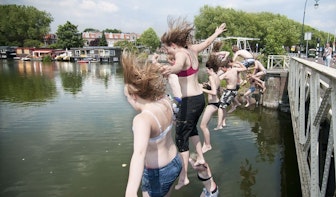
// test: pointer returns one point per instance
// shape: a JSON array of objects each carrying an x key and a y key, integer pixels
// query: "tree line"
[
  {"x": 27, "y": 26},
  {"x": 275, "y": 31}
]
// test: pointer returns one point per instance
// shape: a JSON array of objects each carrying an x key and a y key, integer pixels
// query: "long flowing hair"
[
  {"x": 142, "y": 78},
  {"x": 179, "y": 32}
]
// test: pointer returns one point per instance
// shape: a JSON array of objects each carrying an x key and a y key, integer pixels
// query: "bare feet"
[
  {"x": 218, "y": 128},
  {"x": 182, "y": 183},
  {"x": 247, "y": 104},
  {"x": 206, "y": 148},
  {"x": 199, "y": 162}
]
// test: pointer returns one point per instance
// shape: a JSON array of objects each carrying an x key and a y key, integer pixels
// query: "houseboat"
[{"x": 98, "y": 53}]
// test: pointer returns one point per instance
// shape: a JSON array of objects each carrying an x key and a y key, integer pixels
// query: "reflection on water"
[
  {"x": 65, "y": 130},
  {"x": 248, "y": 175},
  {"x": 32, "y": 83}
]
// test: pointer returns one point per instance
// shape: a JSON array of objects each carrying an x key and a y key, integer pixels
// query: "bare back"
[
  {"x": 156, "y": 116},
  {"x": 231, "y": 77},
  {"x": 243, "y": 54}
]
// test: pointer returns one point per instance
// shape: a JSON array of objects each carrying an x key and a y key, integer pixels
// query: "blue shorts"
[
  {"x": 248, "y": 62},
  {"x": 157, "y": 182}
]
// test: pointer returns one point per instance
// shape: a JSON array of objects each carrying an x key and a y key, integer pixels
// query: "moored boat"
[{"x": 83, "y": 61}]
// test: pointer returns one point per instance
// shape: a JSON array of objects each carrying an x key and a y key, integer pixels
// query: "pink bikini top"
[{"x": 190, "y": 71}]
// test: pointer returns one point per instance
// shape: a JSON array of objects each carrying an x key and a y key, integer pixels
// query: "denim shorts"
[{"x": 157, "y": 182}]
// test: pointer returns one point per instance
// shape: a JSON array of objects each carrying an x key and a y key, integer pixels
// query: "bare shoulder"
[{"x": 142, "y": 120}]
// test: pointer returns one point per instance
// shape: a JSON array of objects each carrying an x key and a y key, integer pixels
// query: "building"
[
  {"x": 7, "y": 52},
  {"x": 111, "y": 38},
  {"x": 50, "y": 39},
  {"x": 99, "y": 53}
]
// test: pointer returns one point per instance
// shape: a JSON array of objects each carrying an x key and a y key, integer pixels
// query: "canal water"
[{"x": 65, "y": 130}]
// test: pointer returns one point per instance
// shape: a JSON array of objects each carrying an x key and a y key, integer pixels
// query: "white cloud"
[
  {"x": 87, "y": 5},
  {"x": 108, "y": 7},
  {"x": 137, "y": 16}
]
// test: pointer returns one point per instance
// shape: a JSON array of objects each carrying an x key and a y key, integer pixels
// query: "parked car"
[{"x": 312, "y": 53}]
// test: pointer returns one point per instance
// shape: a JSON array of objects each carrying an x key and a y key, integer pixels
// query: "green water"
[{"x": 65, "y": 130}]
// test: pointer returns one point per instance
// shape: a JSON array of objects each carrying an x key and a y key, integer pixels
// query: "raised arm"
[
  {"x": 235, "y": 55},
  {"x": 222, "y": 55},
  {"x": 203, "y": 45}
]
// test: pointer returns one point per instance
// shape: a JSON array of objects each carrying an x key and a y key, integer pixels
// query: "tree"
[
  {"x": 20, "y": 23},
  {"x": 112, "y": 31},
  {"x": 68, "y": 36},
  {"x": 103, "y": 41},
  {"x": 149, "y": 39},
  {"x": 126, "y": 45},
  {"x": 275, "y": 31},
  {"x": 32, "y": 43},
  {"x": 90, "y": 30},
  {"x": 95, "y": 42}
]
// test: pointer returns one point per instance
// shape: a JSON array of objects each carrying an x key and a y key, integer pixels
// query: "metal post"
[
  {"x": 307, "y": 49},
  {"x": 317, "y": 49},
  {"x": 304, "y": 14},
  {"x": 334, "y": 42}
]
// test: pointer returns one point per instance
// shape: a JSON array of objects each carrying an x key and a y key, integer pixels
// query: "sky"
[{"x": 136, "y": 16}]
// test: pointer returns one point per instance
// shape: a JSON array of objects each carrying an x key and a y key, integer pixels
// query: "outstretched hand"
[{"x": 221, "y": 28}]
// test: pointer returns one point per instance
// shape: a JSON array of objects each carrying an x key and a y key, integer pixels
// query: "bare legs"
[
  {"x": 247, "y": 97},
  {"x": 221, "y": 119},
  {"x": 183, "y": 179},
  {"x": 208, "y": 112},
  {"x": 204, "y": 174},
  {"x": 235, "y": 104},
  {"x": 260, "y": 83}
]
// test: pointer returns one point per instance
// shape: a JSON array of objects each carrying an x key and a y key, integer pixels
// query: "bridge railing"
[
  {"x": 312, "y": 95},
  {"x": 278, "y": 62}
]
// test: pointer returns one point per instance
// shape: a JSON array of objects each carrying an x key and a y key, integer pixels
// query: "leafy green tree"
[
  {"x": 20, "y": 23},
  {"x": 102, "y": 41},
  {"x": 112, "y": 31},
  {"x": 149, "y": 39},
  {"x": 68, "y": 36},
  {"x": 95, "y": 42},
  {"x": 275, "y": 31},
  {"x": 124, "y": 44},
  {"x": 90, "y": 30},
  {"x": 32, "y": 43}
]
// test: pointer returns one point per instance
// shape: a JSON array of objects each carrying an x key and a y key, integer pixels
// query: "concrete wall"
[{"x": 276, "y": 94}]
